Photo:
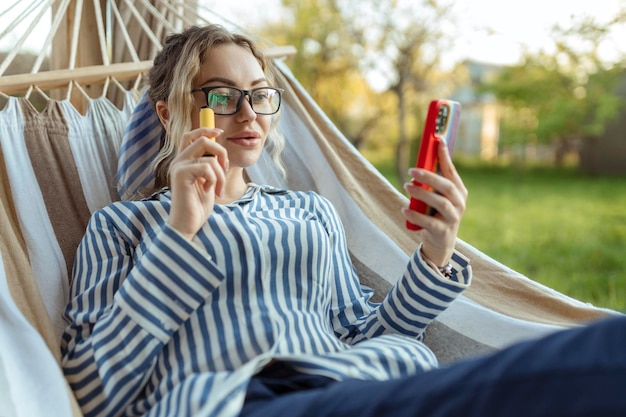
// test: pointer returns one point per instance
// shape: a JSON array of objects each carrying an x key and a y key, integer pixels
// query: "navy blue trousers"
[{"x": 577, "y": 372}]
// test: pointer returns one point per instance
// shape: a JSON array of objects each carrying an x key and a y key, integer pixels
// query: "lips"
[{"x": 245, "y": 138}]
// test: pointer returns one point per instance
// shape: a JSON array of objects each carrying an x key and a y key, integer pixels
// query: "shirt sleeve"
[
  {"x": 416, "y": 299},
  {"x": 123, "y": 310}
]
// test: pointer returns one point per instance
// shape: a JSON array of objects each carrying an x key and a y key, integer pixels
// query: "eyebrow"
[{"x": 227, "y": 81}]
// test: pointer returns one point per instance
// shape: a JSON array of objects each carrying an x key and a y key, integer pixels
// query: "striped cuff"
[
  {"x": 422, "y": 294},
  {"x": 459, "y": 263}
]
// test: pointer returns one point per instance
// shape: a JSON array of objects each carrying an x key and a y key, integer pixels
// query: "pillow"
[{"x": 140, "y": 146}]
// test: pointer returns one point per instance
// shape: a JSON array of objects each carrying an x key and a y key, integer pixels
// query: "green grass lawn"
[{"x": 555, "y": 226}]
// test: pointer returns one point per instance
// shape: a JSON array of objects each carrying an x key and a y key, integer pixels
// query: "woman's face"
[{"x": 245, "y": 132}]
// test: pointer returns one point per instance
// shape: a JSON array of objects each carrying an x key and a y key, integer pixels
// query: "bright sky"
[
  {"x": 527, "y": 23},
  {"x": 493, "y": 31}
]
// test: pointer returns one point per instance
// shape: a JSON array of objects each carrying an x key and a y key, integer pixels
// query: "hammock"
[{"x": 59, "y": 165}]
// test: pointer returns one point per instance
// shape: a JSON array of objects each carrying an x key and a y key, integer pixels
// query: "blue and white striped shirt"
[{"x": 164, "y": 326}]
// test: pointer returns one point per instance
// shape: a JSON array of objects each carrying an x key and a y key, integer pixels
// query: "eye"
[
  {"x": 262, "y": 95},
  {"x": 216, "y": 98}
]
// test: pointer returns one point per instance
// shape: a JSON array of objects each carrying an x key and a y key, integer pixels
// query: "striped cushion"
[{"x": 140, "y": 146}]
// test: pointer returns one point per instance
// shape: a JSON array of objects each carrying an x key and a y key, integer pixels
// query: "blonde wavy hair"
[{"x": 171, "y": 77}]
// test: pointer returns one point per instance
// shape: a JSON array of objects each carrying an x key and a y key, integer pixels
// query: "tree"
[
  {"x": 341, "y": 49},
  {"x": 328, "y": 63},
  {"x": 405, "y": 49},
  {"x": 560, "y": 98}
]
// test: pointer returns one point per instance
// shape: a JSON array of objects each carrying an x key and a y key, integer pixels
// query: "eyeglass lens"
[{"x": 228, "y": 100}]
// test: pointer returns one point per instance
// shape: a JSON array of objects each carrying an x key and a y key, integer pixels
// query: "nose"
[{"x": 246, "y": 113}]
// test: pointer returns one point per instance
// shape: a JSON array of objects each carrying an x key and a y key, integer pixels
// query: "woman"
[{"x": 217, "y": 297}]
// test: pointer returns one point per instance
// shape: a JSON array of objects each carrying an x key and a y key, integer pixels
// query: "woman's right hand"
[{"x": 196, "y": 179}]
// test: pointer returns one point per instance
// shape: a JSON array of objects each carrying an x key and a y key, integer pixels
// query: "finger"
[
  {"x": 210, "y": 132},
  {"x": 449, "y": 183},
  {"x": 203, "y": 146},
  {"x": 437, "y": 183},
  {"x": 444, "y": 206},
  {"x": 193, "y": 171},
  {"x": 446, "y": 165},
  {"x": 414, "y": 217},
  {"x": 219, "y": 173},
  {"x": 448, "y": 201},
  {"x": 207, "y": 172},
  {"x": 193, "y": 135},
  {"x": 215, "y": 151},
  {"x": 424, "y": 221}
]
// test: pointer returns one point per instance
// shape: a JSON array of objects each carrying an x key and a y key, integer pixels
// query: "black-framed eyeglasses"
[{"x": 226, "y": 100}]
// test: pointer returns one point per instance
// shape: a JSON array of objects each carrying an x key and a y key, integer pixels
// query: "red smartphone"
[{"x": 442, "y": 123}]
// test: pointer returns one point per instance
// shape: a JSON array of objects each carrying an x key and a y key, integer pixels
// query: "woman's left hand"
[{"x": 439, "y": 231}]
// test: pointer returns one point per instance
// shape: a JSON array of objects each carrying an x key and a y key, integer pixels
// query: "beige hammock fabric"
[
  {"x": 46, "y": 201},
  {"x": 58, "y": 166},
  {"x": 496, "y": 286}
]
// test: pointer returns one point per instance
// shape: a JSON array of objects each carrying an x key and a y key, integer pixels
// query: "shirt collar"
[{"x": 253, "y": 189}]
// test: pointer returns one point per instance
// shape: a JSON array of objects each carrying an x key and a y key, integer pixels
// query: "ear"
[{"x": 163, "y": 112}]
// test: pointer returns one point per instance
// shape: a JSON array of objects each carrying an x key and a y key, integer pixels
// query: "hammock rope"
[{"x": 127, "y": 36}]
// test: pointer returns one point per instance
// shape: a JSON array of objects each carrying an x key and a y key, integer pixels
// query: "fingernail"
[{"x": 416, "y": 172}]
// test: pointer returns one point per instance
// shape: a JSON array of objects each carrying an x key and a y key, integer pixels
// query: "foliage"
[
  {"x": 547, "y": 103},
  {"x": 372, "y": 69},
  {"x": 328, "y": 63},
  {"x": 409, "y": 44},
  {"x": 554, "y": 226},
  {"x": 560, "y": 97}
]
